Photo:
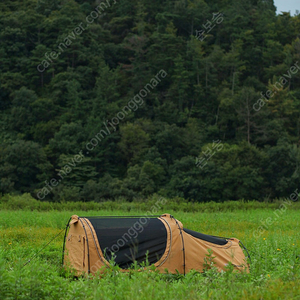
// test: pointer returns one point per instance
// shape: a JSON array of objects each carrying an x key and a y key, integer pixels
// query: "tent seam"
[
  {"x": 183, "y": 249},
  {"x": 87, "y": 242},
  {"x": 170, "y": 243},
  {"x": 85, "y": 219}
]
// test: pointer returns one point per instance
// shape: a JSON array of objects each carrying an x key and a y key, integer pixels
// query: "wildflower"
[
  {"x": 264, "y": 238},
  {"x": 269, "y": 275},
  {"x": 278, "y": 249},
  {"x": 9, "y": 243}
]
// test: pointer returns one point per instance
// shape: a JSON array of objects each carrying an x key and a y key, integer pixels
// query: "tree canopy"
[{"x": 126, "y": 99}]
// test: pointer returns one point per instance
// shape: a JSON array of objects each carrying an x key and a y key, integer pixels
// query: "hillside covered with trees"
[{"x": 196, "y": 99}]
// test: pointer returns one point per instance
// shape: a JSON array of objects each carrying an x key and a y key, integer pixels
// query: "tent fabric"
[
  {"x": 205, "y": 237},
  {"x": 91, "y": 241}
]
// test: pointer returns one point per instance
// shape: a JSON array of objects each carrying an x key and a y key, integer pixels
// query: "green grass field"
[{"x": 275, "y": 268}]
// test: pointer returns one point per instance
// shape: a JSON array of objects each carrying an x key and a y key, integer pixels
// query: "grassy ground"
[{"x": 274, "y": 249}]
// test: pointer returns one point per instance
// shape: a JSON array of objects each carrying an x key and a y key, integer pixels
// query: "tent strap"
[{"x": 42, "y": 248}]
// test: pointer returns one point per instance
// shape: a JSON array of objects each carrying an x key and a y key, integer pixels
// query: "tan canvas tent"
[{"x": 90, "y": 243}]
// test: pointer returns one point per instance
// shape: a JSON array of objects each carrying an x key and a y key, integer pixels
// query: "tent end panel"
[{"x": 76, "y": 248}]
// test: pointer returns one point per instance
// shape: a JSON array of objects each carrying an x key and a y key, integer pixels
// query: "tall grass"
[
  {"x": 275, "y": 268},
  {"x": 26, "y": 202}
]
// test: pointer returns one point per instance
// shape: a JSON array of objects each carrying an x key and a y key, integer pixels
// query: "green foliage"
[
  {"x": 23, "y": 164},
  {"x": 208, "y": 94},
  {"x": 176, "y": 204},
  {"x": 275, "y": 267}
]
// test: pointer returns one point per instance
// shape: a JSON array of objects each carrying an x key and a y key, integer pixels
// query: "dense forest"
[{"x": 195, "y": 99}]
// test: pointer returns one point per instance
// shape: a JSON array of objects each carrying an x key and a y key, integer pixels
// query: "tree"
[
  {"x": 24, "y": 166},
  {"x": 134, "y": 142}
]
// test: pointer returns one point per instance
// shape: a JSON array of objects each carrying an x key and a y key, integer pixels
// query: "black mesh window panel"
[
  {"x": 129, "y": 239},
  {"x": 205, "y": 237}
]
